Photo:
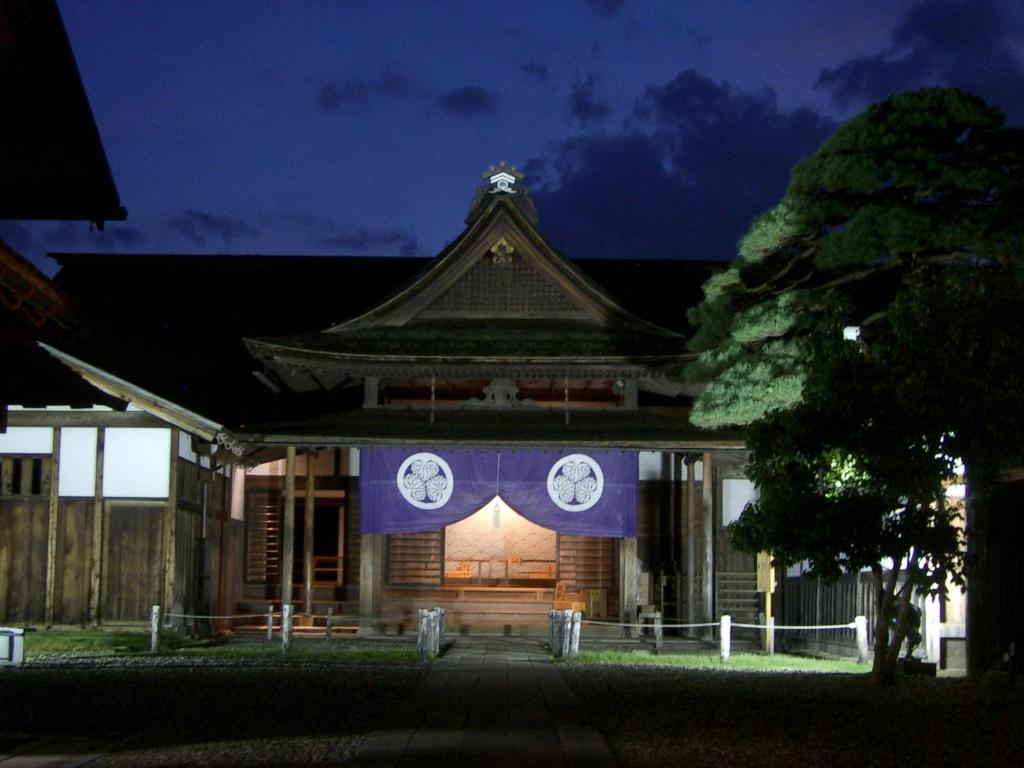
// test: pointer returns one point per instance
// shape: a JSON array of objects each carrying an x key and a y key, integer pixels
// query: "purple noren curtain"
[{"x": 573, "y": 491}]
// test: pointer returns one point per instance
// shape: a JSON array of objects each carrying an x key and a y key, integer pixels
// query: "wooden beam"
[
  {"x": 288, "y": 534},
  {"x": 628, "y": 583},
  {"x": 371, "y": 576},
  {"x": 692, "y": 593},
  {"x": 51, "y": 530},
  {"x": 83, "y": 419},
  {"x": 307, "y": 530},
  {"x": 98, "y": 558},
  {"x": 170, "y": 529},
  {"x": 708, "y": 554}
]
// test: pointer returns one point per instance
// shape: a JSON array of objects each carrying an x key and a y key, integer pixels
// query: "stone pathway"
[
  {"x": 494, "y": 702},
  {"x": 49, "y": 753}
]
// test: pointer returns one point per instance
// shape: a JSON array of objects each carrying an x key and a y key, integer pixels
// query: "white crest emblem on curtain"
[
  {"x": 425, "y": 480},
  {"x": 575, "y": 482}
]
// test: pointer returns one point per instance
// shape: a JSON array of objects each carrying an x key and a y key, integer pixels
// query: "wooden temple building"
[
  {"x": 495, "y": 430},
  {"x": 498, "y": 347}
]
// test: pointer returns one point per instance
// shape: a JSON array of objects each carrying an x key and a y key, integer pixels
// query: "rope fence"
[{"x": 563, "y": 629}]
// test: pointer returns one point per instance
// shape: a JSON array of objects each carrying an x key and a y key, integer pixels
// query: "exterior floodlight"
[{"x": 851, "y": 333}]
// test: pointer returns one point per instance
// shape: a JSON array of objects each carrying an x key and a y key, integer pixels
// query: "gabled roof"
[{"x": 499, "y": 296}]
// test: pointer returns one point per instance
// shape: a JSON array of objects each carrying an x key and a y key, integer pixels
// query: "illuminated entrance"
[
  {"x": 451, "y": 539},
  {"x": 497, "y": 546}
]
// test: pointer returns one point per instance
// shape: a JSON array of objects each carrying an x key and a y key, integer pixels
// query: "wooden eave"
[
  {"x": 151, "y": 403},
  {"x": 644, "y": 429}
]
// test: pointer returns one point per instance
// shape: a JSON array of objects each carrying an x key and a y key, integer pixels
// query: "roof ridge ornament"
[{"x": 502, "y": 179}]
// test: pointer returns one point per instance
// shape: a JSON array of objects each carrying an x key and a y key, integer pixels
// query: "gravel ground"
[
  {"x": 667, "y": 717},
  {"x": 205, "y": 711}
]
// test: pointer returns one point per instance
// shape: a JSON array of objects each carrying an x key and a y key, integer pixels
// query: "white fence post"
[
  {"x": 769, "y": 636},
  {"x": 564, "y": 632},
  {"x": 574, "y": 637},
  {"x": 329, "y": 624},
  {"x": 286, "y": 627},
  {"x": 270, "y": 622},
  {"x": 725, "y": 637},
  {"x": 658, "y": 632},
  {"x": 154, "y": 630},
  {"x": 428, "y": 636},
  {"x": 861, "y": 623},
  {"x": 442, "y": 632}
]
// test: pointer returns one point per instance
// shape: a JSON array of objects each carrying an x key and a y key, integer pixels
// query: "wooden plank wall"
[
  {"x": 809, "y": 601},
  {"x": 587, "y": 562},
  {"x": 23, "y": 544},
  {"x": 132, "y": 573},
  {"x": 415, "y": 558},
  {"x": 74, "y": 561}
]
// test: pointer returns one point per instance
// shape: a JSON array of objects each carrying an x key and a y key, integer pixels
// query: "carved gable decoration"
[{"x": 503, "y": 283}]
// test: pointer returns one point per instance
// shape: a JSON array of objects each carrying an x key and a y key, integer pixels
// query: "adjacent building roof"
[{"x": 53, "y": 162}]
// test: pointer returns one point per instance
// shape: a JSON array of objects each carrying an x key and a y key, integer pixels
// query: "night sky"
[{"x": 646, "y": 129}]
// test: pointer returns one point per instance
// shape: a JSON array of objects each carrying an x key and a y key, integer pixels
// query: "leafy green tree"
[{"x": 907, "y": 225}]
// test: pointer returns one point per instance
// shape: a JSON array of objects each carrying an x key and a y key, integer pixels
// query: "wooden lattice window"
[{"x": 24, "y": 475}]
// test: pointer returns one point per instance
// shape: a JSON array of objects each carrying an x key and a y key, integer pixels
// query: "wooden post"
[
  {"x": 691, "y": 542},
  {"x": 862, "y": 638},
  {"x": 154, "y": 630},
  {"x": 286, "y": 628},
  {"x": 627, "y": 582},
  {"x": 170, "y": 528},
  {"x": 270, "y": 621},
  {"x": 51, "y": 530},
  {"x": 288, "y": 532},
  {"x": 708, "y": 564},
  {"x": 725, "y": 637},
  {"x": 371, "y": 556},
  {"x": 98, "y": 543},
  {"x": 307, "y": 533}
]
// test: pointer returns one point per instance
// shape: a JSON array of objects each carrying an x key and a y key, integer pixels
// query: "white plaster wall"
[
  {"x": 27, "y": 440},
  {"x": 136, "y": 462},
  {"x": 736, "y": 493},
  {"x": 77, "y": 472}
]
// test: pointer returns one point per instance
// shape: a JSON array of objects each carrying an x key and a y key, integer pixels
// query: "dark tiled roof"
[{"x": 174, "y": 324}]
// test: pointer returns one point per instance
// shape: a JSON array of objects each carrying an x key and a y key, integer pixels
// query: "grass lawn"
[
  {"x": 711, "y": 661},
  {"x": 44, "y": 644}
]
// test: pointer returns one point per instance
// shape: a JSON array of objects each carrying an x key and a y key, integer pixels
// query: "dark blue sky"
[{"x": 647, "y": 129}]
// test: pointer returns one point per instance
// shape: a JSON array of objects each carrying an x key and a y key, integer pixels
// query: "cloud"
[
  {"x": 691, "y": 167},
  {"x": 362, "y": 240},
  {"x": 605, "y": 7},
  {"x": 199, "y": 226},
  {"x": 968, "y": 44},
  {"x": 534, "y": 69},
  {"x": 468, "y": 101},
  {"x": 584, "y": 106},
  {"x": 337, "y": 95},
  {"x": 324, "y": 233},
  {"x": 34, "y": 239}
]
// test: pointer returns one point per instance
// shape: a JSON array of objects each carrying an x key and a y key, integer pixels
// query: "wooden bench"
[{"x": 464, "y": 571}]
